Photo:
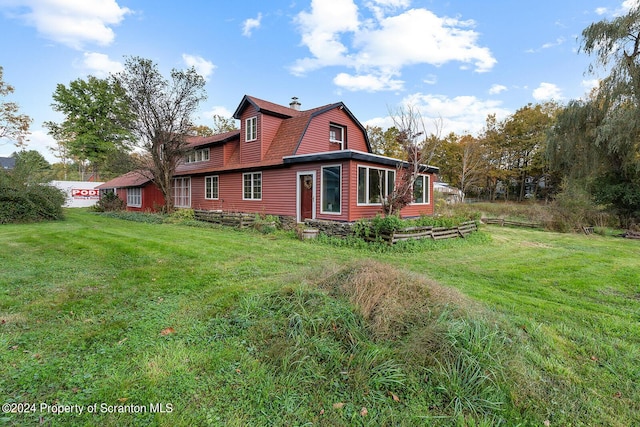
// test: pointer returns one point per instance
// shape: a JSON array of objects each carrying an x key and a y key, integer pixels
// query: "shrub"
[
  {"x": 28, "y": 203},
  {"x": 266, "y": 223},
  {"x": 574, "y": 208},
  {"x": 109, "y": 202},
  {"x": 180, "y": 216}
]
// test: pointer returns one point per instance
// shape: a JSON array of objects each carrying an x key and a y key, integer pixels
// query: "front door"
[{"x": 306, "y": 196}]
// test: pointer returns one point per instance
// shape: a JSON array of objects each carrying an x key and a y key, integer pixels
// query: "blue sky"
[{"x": 456, "y": 60}]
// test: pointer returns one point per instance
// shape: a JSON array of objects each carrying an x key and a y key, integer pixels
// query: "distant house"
[
  {"x": 137, "y": 191},
  {"x": 7, "y": 163},
  {"x": 311, "y": 164}
]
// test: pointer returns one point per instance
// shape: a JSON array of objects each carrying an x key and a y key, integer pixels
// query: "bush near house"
[{"x": 21, "y": 202}]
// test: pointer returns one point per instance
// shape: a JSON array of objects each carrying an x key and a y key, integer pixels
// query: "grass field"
[{"x": 179, "y": 325}]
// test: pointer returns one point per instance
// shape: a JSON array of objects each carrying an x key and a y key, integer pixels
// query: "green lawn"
[{"x": 226, "y": 327}]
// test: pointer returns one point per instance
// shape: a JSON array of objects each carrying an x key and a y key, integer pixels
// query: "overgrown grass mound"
[
  {"x": 371, "y": 336},
  {"x": 393, "y": 301}
]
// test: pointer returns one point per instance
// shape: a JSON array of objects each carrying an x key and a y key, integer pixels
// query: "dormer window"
[
  {"x": 201, "y": 155},
  {"x": 336, "y": 134},
  {"x": 251, "y": 129}
]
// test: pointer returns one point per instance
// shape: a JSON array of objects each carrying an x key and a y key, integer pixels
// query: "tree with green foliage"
[
  {"x": 162, "y": 112},
  {"x": 97, "y": 120},
  {"x": 13, "y": 125},
  {"x": 598, "y": 139},
  {"x": 32, "y": 168},
  {"x": 525, "y": 136},
  {"x": 385, "y": 142}
]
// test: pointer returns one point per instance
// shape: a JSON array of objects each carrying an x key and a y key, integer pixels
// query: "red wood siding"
[
  {"x": 250, "y": 152},
  {"x": 316, "y": 138},
  {"x": 152, "y": 199}
]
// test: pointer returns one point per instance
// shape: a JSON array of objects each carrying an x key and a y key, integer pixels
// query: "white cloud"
[
  {"x": 546, "y": 92},
  {"x": 549, "y": 45},
  {"x": 383, "y": 45},
  {"x": 203, "y": 67},
  {"x": 251, "y": 24},
  {"x": 99, "y": 64},
  {"x": 496, "y": 89},
  {"x": 321, "y": 29},
  {"x": 431, "y": 79},
  {"x": 72, "y": 22},
  {"x": 367, "y": 82},
  {"x": 590, "y": 84},
  {"x": 461, "y": 114}
]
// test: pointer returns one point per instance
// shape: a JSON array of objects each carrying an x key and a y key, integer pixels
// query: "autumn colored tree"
[
  {"x": 13, "y": 125},
  {"x": 385, "y": 142},
  {"x": 223, "y": 124}
]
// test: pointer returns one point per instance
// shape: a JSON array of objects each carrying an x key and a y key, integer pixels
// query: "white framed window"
[
  {"x": 374, "y": 182},
  {"x": 134, "y": 197},
  {"x": 182, "y": 192},
  {"x": 336, "y": 134},
  {"x": 251, "y": 129},
  {"x": 252, "y": 186},
  {"x": 201, "y": 155},
  {"x": 421, "y": 190},
  {"x": 331, "y": 192},
  {"x": 211, "y": 187}
]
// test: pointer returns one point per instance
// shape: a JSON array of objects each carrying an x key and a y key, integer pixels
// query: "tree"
[
  {"x": 418, "y": 150},
  {"x": 97, "y": 121},
  {"x": 525, "y": 135},
  {"x": 471, "y": 164},
  {"x": 385, "y": 142},
  {"x": 31, "y": 168},
  {"x": 222, "y": 124},
  {"x": 13, "y": 125},
  {"x": 202, "y": 130},
  {"x": 604, "y": 131},
  {"x": 448, "y": 157},
  {"x": 162, "y": 111}
]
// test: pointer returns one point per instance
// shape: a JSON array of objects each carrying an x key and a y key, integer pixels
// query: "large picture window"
[
  {"x": 134, "y": 197},
  {"x": 331, "y": 189},
  {"x": 182, "y": 192},
  {"x": 421, "y": 190},
  {"x": 374, "y": 182},
  {"x": 252, "y": 186},
  {"x": 211, "y": 187},
  {"x": 251, "y": 129}
]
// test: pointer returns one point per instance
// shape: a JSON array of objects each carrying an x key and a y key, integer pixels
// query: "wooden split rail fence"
[
  {"x": 429, "y": 232},
  {"x": 632, "y": 234},
  {"x": 230, "y": 219},
  {"x": 503, "y": 222}
]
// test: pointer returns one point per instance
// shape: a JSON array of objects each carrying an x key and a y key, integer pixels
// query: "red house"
[{"x": 312, "y": 164}]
